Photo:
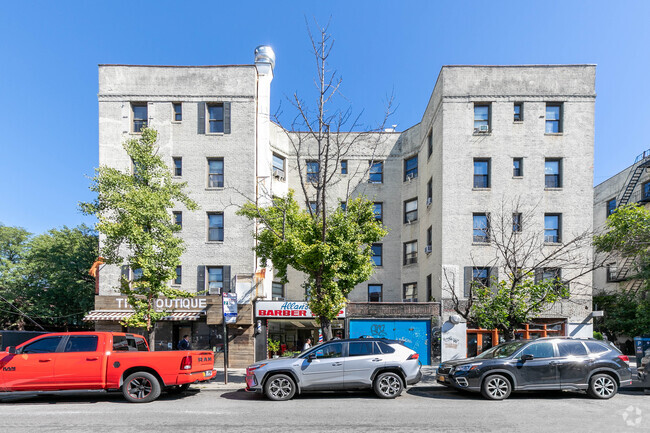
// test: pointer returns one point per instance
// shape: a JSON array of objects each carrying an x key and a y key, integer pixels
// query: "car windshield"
[{"x": 502, "y": 350}]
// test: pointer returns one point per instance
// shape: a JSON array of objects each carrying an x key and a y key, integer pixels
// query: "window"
[
  {"x": 278, "y": 167},
  {"x": 517, "y": 167},
  {"x": 137, "y": 274},
  {"x": 44, "y": 345},
  {"x": 215, "y": 279},
  {"x": 178, "y": 166},
  {"x": 553, "y": 174},
  {"x": 612, "y": 272},
  {"x": 519, "y": 112},
  {"x": 376, "y": 172},
  {"x": 178, "y": 111},
  {"x": 179, "y": 275},
  {"x": 429, "y": 239},
  {"x": 344, "y": 166},
  {"x": 334, "y": 350},
  {"x": 410, "y": 252},
  {"x": 429, "y": 289},
  {"x": 277, "y": 291},
  {"x": 410, "y": 210},
  {"x": 313, "y": 167},
  {"x": 481, "y": 228},
  {"x": 178, "y": 218},
  {"x": 516, "y": 222},
  {"x": 377, "y": 253},
  {"x": 81, "y": 343},
  {"x": 361, "y": 349},
  {"x": 141, "y": 345},
  {"x": 571, "y": 348},
  {"x": 378, "y": 208},
  {"x": 482, "y": 118},
  {"x": 646, "y": 191},
  {"x": 215, "y": 227},
  {"x": 313, "y": 207},
  {"x": 374, "y": 292},
  {"x": 215, "y": 173},
  {"x": 344, "y": 206},
  {"x": 553, "y": 118},
  {"x": 215, "y": 118},
  {"x": 120, "y": 343},
  {"x": 481, "y": 173},
  {"x": 430, "y": 192},
  {"x": 385, "y": 348},
  {"x": 140, "y": 116},
  {"x": 595, "y": 347},
  {"x": 430, "y": 144},
  {"x": 538, "y": 350},
  {"x": 411, "y": 292},
  {"x": 552, "y": 228},
  {"x": 611, "y": 206},
  {"x": 550, "y": 274},
  {"x": 411, "y": 168},
  {"x": 481, "y": 276}
]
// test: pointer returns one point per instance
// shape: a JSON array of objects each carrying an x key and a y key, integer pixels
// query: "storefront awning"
[{"x": 113, "y": 315}]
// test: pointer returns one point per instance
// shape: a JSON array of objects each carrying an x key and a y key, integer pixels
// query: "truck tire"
[
  {"x": 602, "y": 386},
  {"x": 388, "y": 385},
  {"x": 178, "y": 389},
  {"x": 280, "y": 387},
  {"x": 141, "y": 387}
]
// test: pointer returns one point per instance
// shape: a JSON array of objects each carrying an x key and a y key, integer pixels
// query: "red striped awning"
[{"x": 114, "y": 315}]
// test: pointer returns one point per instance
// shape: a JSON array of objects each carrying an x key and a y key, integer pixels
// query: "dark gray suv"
[
  {"x": 542, "y": 364},
  {"x": 387, "y": 366}
]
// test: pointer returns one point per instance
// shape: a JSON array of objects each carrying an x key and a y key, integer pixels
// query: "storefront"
[{"x": 290, "y": 324}]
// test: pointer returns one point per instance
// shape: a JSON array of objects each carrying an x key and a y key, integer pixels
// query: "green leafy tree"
[
  {"x": 13, "y": 248},
  {"x": 334, "y": 254},
  {"x": 133, "y": 212},
  {"x": 627, "y": 237}
]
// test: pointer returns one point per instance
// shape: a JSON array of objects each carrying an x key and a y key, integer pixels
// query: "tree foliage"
[
  {"x": 133, "y": 212},
  {"x": 292, "y": 237}
]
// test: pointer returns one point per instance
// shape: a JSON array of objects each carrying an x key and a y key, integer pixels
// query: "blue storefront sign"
[{"x": 415, "y": 334}]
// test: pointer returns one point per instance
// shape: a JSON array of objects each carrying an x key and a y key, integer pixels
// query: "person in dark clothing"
[{"x": 184, "y": 344}]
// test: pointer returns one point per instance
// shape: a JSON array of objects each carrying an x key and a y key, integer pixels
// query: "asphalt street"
[{"x": 422, "y": 408}]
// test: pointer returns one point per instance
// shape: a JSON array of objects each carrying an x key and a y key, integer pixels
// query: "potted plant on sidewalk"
[{"x": 274, "y": 347}]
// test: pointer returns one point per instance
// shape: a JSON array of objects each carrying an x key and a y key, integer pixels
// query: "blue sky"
[{"x": 49, "y": 54}]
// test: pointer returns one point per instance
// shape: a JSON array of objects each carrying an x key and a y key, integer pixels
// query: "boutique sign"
[
  {"x": 166, "y": 304},
  {"x": 286, "y": 310}
]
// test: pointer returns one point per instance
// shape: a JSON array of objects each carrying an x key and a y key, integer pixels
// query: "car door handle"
[
  {"x": 376, "y": 359},
  {"x": 45, "y": 360},
  {"x": 92, "y": 358},
  {"x": 336, "y": 364},
  {"x": 553, "y": 363}
]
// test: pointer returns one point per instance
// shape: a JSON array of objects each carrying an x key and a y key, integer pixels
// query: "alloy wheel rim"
[
  {"x": 280, "y": 388},
  {"x": 140, "y": 388},
  {"x": 604, "y": 386},
  {"x": 389, "y": 385},
  {"x": 497, "y": 387}
]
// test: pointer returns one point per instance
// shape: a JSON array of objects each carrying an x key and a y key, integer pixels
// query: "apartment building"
[{"x": 489, "y": 135}]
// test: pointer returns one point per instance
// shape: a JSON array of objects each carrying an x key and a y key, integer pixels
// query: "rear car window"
[
  {"x": 44, "y": 345},
  {"x": 141, "y": 345},
  {"x": 571, "y": 348},
  {"x": 596, "y": 347},
  {"x": 85, "y": 343},
  {"x": 120, "y": 344},
  {"x": 385, "y": 348},
  {"x": 361, "y": 348},
  {"x": 539, "y": 350}
]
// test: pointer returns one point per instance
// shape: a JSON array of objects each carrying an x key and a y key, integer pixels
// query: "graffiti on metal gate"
[{"x": 378, "y": 331}]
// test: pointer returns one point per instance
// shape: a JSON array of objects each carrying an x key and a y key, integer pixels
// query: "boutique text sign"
[
  {"x": 197, "y": 303},
  {"x": 282, "y": 309}
]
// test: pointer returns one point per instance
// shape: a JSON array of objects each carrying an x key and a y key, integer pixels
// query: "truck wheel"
[
  {"x": 177, "y": 389},
  {"x": 496, "y": 387},
  {"x": 141, "y": 387},
  {"x": 388, "y": 385},
  {"x": 602, "y": 386},
  {"x": 279, "y": 387}
]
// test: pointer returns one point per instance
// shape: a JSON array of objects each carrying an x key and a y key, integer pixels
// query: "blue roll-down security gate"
[{"x": 415, "y": 334}]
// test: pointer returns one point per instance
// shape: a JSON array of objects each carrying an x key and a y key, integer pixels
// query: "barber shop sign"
[{"x": 282, "y": 309}]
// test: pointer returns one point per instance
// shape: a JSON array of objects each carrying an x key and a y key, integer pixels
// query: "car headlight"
[
  {"x": 466, "y": 367},
  {"x": 255, "y": 367}
]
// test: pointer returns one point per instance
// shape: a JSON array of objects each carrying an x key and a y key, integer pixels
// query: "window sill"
[
  {"x": 481, "y": 244},
  {"x": 177, "y": 122},
  {"x": 375, "y": 183},
  {"x": 218, "y": 188},
  {"x": 480, "y": 134},
  {"x": 481, "y": 189},
  {"x": 177, "y": 177},
  {"x": 410, "y": 222},
  {"x": 215, "y": 133},
  {"x": 553, "y": 134},
  {"x": 517, "y": 177},
  {"x": 175, "y": 285},
  {"x": 552, "y": 244},
  {"x": 553, "y": 189},
  {"x": 409, "y": 264},
  {"x": 214, "y": 242},
  {"x": 518, "y": 121}
]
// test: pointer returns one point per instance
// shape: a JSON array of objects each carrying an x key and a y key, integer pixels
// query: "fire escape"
[{"x": 641, "y": 164}]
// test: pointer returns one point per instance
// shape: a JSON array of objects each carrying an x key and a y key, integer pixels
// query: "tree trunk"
[
  {"x": 509, "y": 334},
  {"x": 326, "y": 327}
]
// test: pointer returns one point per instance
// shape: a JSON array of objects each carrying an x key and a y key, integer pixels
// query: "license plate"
[
  {"x": 441, "y": 378},
  {"x": 207, "y": 373}
]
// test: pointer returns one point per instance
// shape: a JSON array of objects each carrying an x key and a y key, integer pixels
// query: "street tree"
[
  {"x": 13, "y": 248},
  {"x": 133, "y": 208},
  {"x": 522, "y": 272},
  {"x": 323, "y": 241}
]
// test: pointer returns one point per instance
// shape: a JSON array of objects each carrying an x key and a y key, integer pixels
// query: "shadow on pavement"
[
  {"x": 322, "y": 395},
  {"x": 86, "y": 398},
  {"x": 442, "y": 393}
]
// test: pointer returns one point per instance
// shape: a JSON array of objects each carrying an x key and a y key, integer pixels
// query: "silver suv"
[{"x": 387, "y": 366}]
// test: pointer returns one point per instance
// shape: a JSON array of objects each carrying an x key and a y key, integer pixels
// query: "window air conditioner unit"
[
  {"x": 483, "y": 128},
  {"x": 429, "y": 200},
  {"x": 428, "y": 249},
  {"x": 410, "y": 176}
]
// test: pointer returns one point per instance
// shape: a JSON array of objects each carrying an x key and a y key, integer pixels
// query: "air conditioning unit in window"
[
  {"x": 429, "y": 201},
  {"x": 482, "y": 128},
  {"x": 428, "y": 249},
  {"x": 278, "y": 174},
  {"x": 410, "y": 176}
]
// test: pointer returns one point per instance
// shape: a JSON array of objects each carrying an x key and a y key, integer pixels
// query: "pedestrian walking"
[
  {"x": 307, "y": 344},
  {"x": 184, "y": 344}
]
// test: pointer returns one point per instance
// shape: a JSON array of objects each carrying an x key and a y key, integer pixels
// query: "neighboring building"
[{"x": 489, "y": 134}]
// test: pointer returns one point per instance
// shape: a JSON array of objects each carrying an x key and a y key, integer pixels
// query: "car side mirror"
[
  {"x": 527, "y": 357},
  {"x": 11, "y": 350},
  {"x": 311, "y": 357}
]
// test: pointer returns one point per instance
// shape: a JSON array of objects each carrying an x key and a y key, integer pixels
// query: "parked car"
[
  {"x": 542, "y": 364},
  {"x": 387, "y": 366},
  {"x": 100, "y": 361}
]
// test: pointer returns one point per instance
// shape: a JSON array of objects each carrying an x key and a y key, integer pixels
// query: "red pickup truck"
[{"x": 101, "y": 361}]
